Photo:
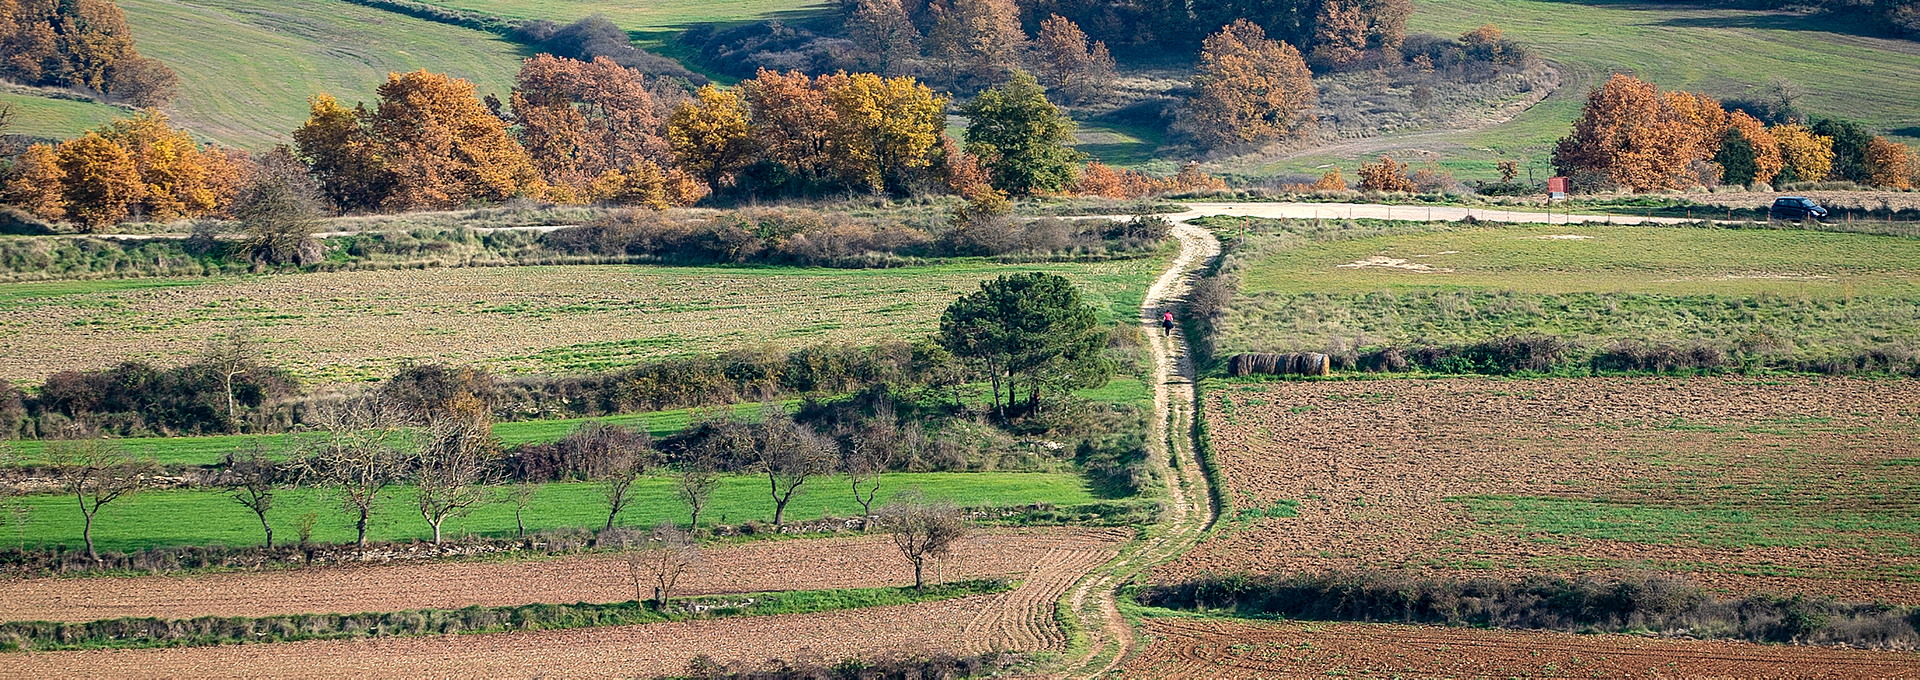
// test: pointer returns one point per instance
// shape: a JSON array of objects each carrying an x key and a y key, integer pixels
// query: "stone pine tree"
[
  {"x": 1030, "y": 334},
  {"x": 1021, "y": 139}
]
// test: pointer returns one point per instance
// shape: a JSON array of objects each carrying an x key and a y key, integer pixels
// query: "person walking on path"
[{"x": 1166, "y": 323}]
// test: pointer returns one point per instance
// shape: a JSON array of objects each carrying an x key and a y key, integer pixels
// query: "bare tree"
[
  {"x": 869, "y": 457},
  {"x": 95, "y": 472},
  {"x": 251, "y": 475},
  {"x": 232, "y": 356},
  {"x": 280, "y": 208},
  {"x": 453, "y": 476},
  {"x": 695, "y": 485},
  {"x": 923, "y": 530},
  {"x": 660, "y": 562},
  {"x": 615, "y": 458},
  {"x": 521, "y": 496},
  {"x": 789, "y": 454},
  {"x": 361, "y": 456}
]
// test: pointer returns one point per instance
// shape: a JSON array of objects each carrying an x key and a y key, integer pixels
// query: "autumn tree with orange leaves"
[
  {"x": 1386, "y": 175},
  {"x": 428, "y": 144},
  {"x": 37, "y": 184},
  {"x": 1250, "y": 90},
  {"x": 582, "y": 120},
  {"x": 138, "y": 166},
  {"x": 1630, "y": 136},
  {"x": 1891, "y": 164},
  {"x": 102, "y": 180}
]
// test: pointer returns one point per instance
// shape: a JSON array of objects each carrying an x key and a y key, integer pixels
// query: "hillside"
[{"x": 1727, "y": 53}]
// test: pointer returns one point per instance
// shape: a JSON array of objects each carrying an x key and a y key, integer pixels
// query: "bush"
[{"x": 1660, "y": 603}]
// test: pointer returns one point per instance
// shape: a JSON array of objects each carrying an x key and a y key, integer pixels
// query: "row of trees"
[
  {"x": 1632, "y": 135},
  {"x": 81, "y": 44},
  {"x": 135, "y": 166}
]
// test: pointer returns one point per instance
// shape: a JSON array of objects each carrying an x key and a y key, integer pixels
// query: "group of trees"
[
  {"x": 81, "y": 44},
  {"x": 223, "y": 390},
  {"x": 1335, "y": 33},
  {"x": 1633, "y": 136},
  {"x": 135, "y": 166}
]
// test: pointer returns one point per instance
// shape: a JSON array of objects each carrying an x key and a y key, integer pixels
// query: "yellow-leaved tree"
[
  {"x": 443, "y": 148},
  {"x": 889, "y": 129},
  {"x": 102, "y": 180},
  {"x": 710, "y": 136},
  {"x": 37, "y": 184},
  {"x": 1804, "y": 156},
  {"x": 175, "y": 173},
  {"x": 1891, "y": 164}
]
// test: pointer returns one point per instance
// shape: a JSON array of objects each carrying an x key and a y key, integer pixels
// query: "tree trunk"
[
  {"x": 360, "y": 526},
  {"x": 232, "y": 410},
  {"x": 519, "y": 524},
  {"x": 693, "y": 520},
  {"x": 86, "y": 534},
  {"x": 269, "y": 529},
  {"x": 779, "y": 512},
  {"x": 919, "y": 574},
  {"x": 436, "y": 529}
]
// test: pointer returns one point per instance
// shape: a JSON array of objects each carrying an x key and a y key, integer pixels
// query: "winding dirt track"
[
  {"x": 1020, "y": 620},
  {"x": 1190, "y": 503},
  {"x": 815, "y": 564},
  {"x": 1220, "y": 649}
]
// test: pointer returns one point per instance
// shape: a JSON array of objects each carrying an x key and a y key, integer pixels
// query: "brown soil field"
[
  {"x": 814, "y": 564},
  {"x": 1794, "y": 485},
  {"x": 1017, "y": 621},
  {"x": 1221, "y": 649},
  {"x": 358, "y": 325}
]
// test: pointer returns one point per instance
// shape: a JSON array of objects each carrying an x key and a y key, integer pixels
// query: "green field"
[
  {"x": 247, "y": 67},
  {"x": 1814, "y": 292},
  {"x": 1727, "y": 53},
  {"x": 651, "y": 22},
  {"x": 170, "y": 518},
  {"x": 36, "y": 116}
]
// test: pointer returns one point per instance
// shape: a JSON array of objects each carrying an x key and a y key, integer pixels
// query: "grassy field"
[
  {"x": 361, "y": 325},
  {"x": 167, "y": 518},
  {"x": 651, "y": 22},
  {"x": 1727, "y": 53},
  {"x": 1798, "y": 292},
  {"x": 247, "y": 67},
  {"x": 37, "y": 116},
  {"x": 1792, "y": 485}
]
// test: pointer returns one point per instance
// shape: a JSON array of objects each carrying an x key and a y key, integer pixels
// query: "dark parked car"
[{"x": 1796, "y": 209}]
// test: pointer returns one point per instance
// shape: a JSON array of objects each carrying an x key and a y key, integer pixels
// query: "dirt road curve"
[
  {"x": 1229, "y": 650},
  {"x": 1021, "y": 620},
  {"x": 1190, "y": 503},
  {"x": 854, "y": 562}
]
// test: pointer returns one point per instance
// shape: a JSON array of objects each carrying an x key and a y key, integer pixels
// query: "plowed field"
[
  {"x": 1777, "y": 485},
  {"x": 1019, "y": 620},
  {"x": 820, "y": 564},
  {"x": 1218, "y": 649}
]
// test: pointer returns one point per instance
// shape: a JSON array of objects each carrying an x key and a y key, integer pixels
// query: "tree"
[
  {"x": 867, "y": 461},
  {"x": 710, "y": 135},
  {"x": 1804, "y": 156},
  {"x": 1386, "y": 175},
  {"x": 38, "y": 184},
  {"x": 1340, "y": 33},
  {"x": 615, "y": 458},
  {"x": 170, "y": 164},
  {"x": 360, "y": 455},
  {"x": 1748, "y": 153},
  {"x": 884, "y": 34},
  {"x": 1021, "y": 139},
  {"x": 339, "y": 149},
  {"x": 890, "y": 129},
  {"x": 580, "y": 120},
  {"x": 251, "y": 476},
  {"x": 1065, "y": 62},
  {"x": 977, "y": 41},
  {"x": 1703, "y": 121},
  {"x": 1029, "y": 329},
  {"x": 648, "y": 185},
  {"x": 694, "y": 486},
  {"x": 453, "y": 473},
  {"x": 1850, "y": 142},
  {"x": 443, "y": 148},
  {"x": 793, "y": 125},
  {"x": 660, "y": 562},
  {"x": 522, "y": 496},
  {"x": 279, "y": 207},
  {"x": 102, "y": 181},
  {"x": 95, "y": 472},
  {"x": 789, "y": 454},
  {"x": 230, "y": 356},
  {"x": 922, "y": 530},
  {"x": 1248, "y": 90},
  {"x": 1629, "y": 134},
  {"x": 1890, "y": 164},
  {"x": 143, "y": 81}
]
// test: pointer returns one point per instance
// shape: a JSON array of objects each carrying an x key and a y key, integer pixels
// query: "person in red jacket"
[{"x": 1166, "y": 323}]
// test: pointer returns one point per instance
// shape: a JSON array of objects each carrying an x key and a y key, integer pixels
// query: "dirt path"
[
  {"x": 1410, "y": 213},
  {"x": 1020, "y": 621},
  {"x": 1233, "y": 650},
  {"x": 814, "y": 564},
  {"x": 1189, "y": 500}
]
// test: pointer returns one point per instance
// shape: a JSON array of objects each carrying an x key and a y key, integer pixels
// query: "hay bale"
[{"x": 1300, "y": 363}]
